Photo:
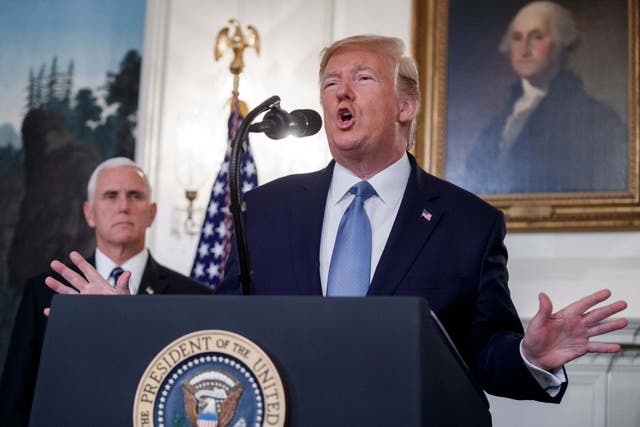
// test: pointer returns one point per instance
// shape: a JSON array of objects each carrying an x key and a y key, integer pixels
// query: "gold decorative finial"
[{"x": 233, "y": 37}]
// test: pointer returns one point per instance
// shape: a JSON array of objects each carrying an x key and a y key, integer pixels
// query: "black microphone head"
[
  {"x": 277, "y": 123},
  {"x": 307, "y": 122}
]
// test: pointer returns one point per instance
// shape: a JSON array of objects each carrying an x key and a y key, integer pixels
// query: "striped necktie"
[{"x": 113, "y": 276}]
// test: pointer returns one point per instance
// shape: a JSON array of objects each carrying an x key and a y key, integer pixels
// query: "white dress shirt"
[
  {"x": 135, "y": 265},
  {"x": 381, "y": 209}
]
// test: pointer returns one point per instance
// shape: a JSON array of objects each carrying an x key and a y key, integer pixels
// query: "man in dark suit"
[
  {"x": 419, "y": 235},
  {"x": 428, "y": 237},
  {"x": 120, "y": 210}
]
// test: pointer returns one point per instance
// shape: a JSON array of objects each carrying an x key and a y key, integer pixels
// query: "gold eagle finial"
[{"x": 233, "y": 37}]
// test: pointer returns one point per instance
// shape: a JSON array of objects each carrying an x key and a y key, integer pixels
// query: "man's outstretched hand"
[
  {"x": 90, "y": 282},
  {"x": 553, "y": 339}
]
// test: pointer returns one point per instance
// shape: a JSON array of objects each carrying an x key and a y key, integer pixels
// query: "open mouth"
[{"x": 345, "y": 117}]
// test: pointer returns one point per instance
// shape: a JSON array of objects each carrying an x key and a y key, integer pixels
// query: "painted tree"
[{"x": 123, "y": 89}]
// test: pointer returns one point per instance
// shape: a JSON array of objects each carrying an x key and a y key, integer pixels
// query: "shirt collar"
[
  {"x": 389, "y": 183},
  {"x": 136, "y": 265},
  {"x": 530, "y": 91}
]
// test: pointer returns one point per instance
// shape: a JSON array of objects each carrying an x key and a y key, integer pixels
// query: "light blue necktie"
[{"x": 350, "y": 266}]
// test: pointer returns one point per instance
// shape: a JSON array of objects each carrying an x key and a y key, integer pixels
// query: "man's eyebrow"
[
  {"x": 354, "y": 69},
  {"x": 108, "y": 193}
]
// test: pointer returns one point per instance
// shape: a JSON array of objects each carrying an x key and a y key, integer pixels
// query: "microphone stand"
[{"x": 237, "y": 207}]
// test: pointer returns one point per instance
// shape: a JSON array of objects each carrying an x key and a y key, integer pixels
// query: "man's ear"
[
  {"x": 153, "y": 209},
  {"x": 408, "y": 109},
  {"x": 88, "y": 214}
]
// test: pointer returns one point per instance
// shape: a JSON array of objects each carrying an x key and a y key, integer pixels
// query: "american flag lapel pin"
[
  {"x": 149, "y": 290},
  {"x": 426, "y": 215}
]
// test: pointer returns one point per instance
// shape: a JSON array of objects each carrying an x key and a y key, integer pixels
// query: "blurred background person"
[{"x": 119, "y": 209}]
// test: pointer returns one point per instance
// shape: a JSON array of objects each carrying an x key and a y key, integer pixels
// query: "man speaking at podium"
[
  {"x": 374, "y": 223},
  {"x": 422, "y": 236}
]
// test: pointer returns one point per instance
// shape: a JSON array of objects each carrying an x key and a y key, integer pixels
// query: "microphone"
[{"x": 277, "y": 123}]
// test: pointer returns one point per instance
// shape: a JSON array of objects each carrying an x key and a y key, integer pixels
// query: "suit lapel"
[
  {"x": 409, "y": 233},
  {"x": 152, "y": 279},
  {"x": 306, "y": 215}
]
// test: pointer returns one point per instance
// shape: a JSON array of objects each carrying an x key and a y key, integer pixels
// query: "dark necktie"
[
  {"x": 350, "y": 266},
  {"x": 113, "y": 276}
]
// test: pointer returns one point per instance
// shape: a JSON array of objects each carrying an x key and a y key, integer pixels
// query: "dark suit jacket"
[
  {"x": 571, "y": 142},
  {"x": 457, "y": 261},
  {"x": 23, "y": 358}
]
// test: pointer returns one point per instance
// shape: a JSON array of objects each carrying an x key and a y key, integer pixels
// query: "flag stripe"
[{"x": 214, "y": 244}]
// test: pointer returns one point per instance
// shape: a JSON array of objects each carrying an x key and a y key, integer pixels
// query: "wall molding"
[{"x": 152, "y": 83}]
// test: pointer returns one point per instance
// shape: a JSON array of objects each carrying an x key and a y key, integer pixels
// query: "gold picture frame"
[{"x": 434, "y": 23}]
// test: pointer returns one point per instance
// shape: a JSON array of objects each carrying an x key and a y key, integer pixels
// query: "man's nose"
[
  {"x": 123, "y": 204},
  {"x": 344, "y": 90},
  {"x": 524, "y": 47}
]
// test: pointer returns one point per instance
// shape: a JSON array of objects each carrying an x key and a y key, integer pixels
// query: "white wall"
[{"x": 184, "y": 110}]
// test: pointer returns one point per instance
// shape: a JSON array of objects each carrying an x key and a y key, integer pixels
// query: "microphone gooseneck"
[{"x": 276, "y": 124}]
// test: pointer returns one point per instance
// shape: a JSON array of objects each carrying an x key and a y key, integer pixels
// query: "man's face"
[
  {"x": 121, "y": 210},
  {"x": 363, "y": 112},
  {"x": 532, "y": 47}
]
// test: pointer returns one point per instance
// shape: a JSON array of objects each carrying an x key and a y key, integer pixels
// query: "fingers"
[
  {"x": 602, "y": 313},
  {"x": 76, "y": 280},
  {"x": 546, "y": 307},
  {"x": 89, "y": 282},
  {"x": 602, "y": 347},
  {"x": 583, "y": 304},
  {"x": 47, "y": 311},
  {"x": 86, "y": 268},
  {"x": 606, "y": 327},
  {"x": 122, "y": 284},
  {"x": 58, "y": 286}
]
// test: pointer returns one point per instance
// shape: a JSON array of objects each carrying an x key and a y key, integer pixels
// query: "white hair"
[
  {"x": 563, "y": 26},
  {"x": 110, "y": 164}
]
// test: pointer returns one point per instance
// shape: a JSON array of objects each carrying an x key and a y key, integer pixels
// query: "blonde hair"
[{"x": 406, "y": 70}]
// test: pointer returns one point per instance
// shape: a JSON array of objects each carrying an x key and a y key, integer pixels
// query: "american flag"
[
  {"x": 426, "y": 215},
  {"x": 217, "y": 229}
]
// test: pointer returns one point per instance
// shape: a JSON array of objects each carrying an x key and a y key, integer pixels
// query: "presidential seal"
[{"x": 210, "y": 378}]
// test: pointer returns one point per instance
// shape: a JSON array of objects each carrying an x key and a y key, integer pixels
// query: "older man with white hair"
[
  {"x": 551, "y": 136},
  {"x": 119, "y": 208}
]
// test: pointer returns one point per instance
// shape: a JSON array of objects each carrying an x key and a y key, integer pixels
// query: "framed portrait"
[{"x": 533, "y": 106}]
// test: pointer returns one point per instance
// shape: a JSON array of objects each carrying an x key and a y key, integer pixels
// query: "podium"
[{"x": 375, "y": 361}]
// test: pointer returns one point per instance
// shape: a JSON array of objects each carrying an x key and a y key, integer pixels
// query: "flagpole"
[{"x": 233, "y": 38}]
